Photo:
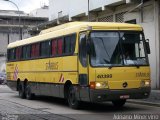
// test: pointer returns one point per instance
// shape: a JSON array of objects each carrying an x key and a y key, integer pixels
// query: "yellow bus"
[{"x": 82, "y": 61}]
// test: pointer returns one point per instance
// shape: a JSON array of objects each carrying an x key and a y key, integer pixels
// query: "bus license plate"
[{"x": 124, "y": 96}]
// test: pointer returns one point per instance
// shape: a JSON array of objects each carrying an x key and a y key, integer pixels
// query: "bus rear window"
[{"x": 11, "y": 54}]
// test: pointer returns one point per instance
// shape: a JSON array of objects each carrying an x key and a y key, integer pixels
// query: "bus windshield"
[{"x": 117, "y": 48}]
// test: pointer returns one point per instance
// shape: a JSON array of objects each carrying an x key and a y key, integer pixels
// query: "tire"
[
  {"x": 119, "y": 103},
  {"x": 71, "y": 98},
  {"x": 29, "y": 94},
  {"x": 21, "y": 91}
]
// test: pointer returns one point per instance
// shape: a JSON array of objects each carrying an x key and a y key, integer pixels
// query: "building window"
[
  {"x": 120, "y": 17},
  {"x": 131, "y": 21},
  {"x": 106, "y": 19},
  {"x": 59, "y": 14}
]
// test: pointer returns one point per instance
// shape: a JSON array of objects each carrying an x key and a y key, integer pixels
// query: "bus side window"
[
  {"x": 18, "y": 53},
  {"x": 35, "y": 50},
  {"x": 45, "y": 49},
  {"x": 11, "y": 54},
  {"x": 73, "y": 42},
  {"x": 69, "y": 44},
  {"x": 54, "y": 47},
  {"x": 26, "y": 52},
  {"x": 83, "y": 50},
  {"x": 60, "y": 46},
  {"x": 23, "y": 52}
]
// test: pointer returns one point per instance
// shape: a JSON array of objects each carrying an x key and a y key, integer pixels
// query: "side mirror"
[{"x": 147, "y": 46}]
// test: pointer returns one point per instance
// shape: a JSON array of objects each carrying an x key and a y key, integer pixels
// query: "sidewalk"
[{"x": 153, "y": 100}]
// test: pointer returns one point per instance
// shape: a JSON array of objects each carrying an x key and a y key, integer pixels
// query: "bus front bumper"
[{"x": 109, "y": 95}]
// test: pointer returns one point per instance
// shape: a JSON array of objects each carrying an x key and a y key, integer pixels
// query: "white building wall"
[
  {"x": 2, "y": 64},
  {"x": 148, "y": 24},
  {"x": 3, "y": 42},
  {"x": 57, "y": 6},
  {"x": 94, "y": 4},
  {"x": 40, "y": 12},
  {"x": 76, "y": 7}
]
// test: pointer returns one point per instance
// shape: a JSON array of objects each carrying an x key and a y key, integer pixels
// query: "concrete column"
[{"x": 157, "y": 41}]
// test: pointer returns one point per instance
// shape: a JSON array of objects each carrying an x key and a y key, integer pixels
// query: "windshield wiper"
[
  {"x": 107, "y": 62},
  {"x": 137, "y": 65},
  {"x": 110, "y": 67}
]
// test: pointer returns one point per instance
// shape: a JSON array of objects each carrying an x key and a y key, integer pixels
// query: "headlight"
[
  {"x": 145, "y": 83},
  {"x": 100, "y": 85}
]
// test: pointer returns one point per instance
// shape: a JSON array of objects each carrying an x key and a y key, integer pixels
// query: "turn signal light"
[{"x": 92, "y": 85}]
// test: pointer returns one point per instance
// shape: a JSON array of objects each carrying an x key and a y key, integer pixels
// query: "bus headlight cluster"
[
  {"x": 100, "y": 85},
  {"x": 145, "y": 83}
]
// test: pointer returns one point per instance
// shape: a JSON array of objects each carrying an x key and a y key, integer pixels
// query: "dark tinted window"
[
  {"x": 45, "y": 49},
  {"x": 69, "y": 44},
  {"x": 83, "y": 50},
  {"x": 26, "y": 52},
  {"x": 11, "y": 54},
  {"x": 35, "y": 50},
  {"x": 18, "y": 53},
  {"x": 54, "y": 47},
  {"x": 60, "y": 46}
]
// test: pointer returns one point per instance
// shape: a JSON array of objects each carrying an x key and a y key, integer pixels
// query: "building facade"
[
  {"x": 143, "y": 12},
  {"x": 15, "y": 25},
  {"x": 40, "y": 12}
]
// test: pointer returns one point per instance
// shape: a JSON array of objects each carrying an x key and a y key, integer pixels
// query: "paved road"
[{"x": 48, "y": 108}]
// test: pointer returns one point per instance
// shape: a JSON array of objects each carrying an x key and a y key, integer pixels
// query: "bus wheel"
[
  {"x": 72, "y": 100},
  {"x": 119, "y": 103},
  {"x": 21, "y": 91},
  {"x": 29, "y": 94}
]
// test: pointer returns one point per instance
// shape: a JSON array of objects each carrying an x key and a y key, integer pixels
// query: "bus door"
[{"x": 83, "y": 67}]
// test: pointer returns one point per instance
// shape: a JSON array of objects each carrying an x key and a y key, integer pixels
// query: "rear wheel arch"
[{"x": 67, "y": 84}]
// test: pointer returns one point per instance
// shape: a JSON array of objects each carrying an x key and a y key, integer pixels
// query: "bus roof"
[{"x": 73, "y": 27}]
